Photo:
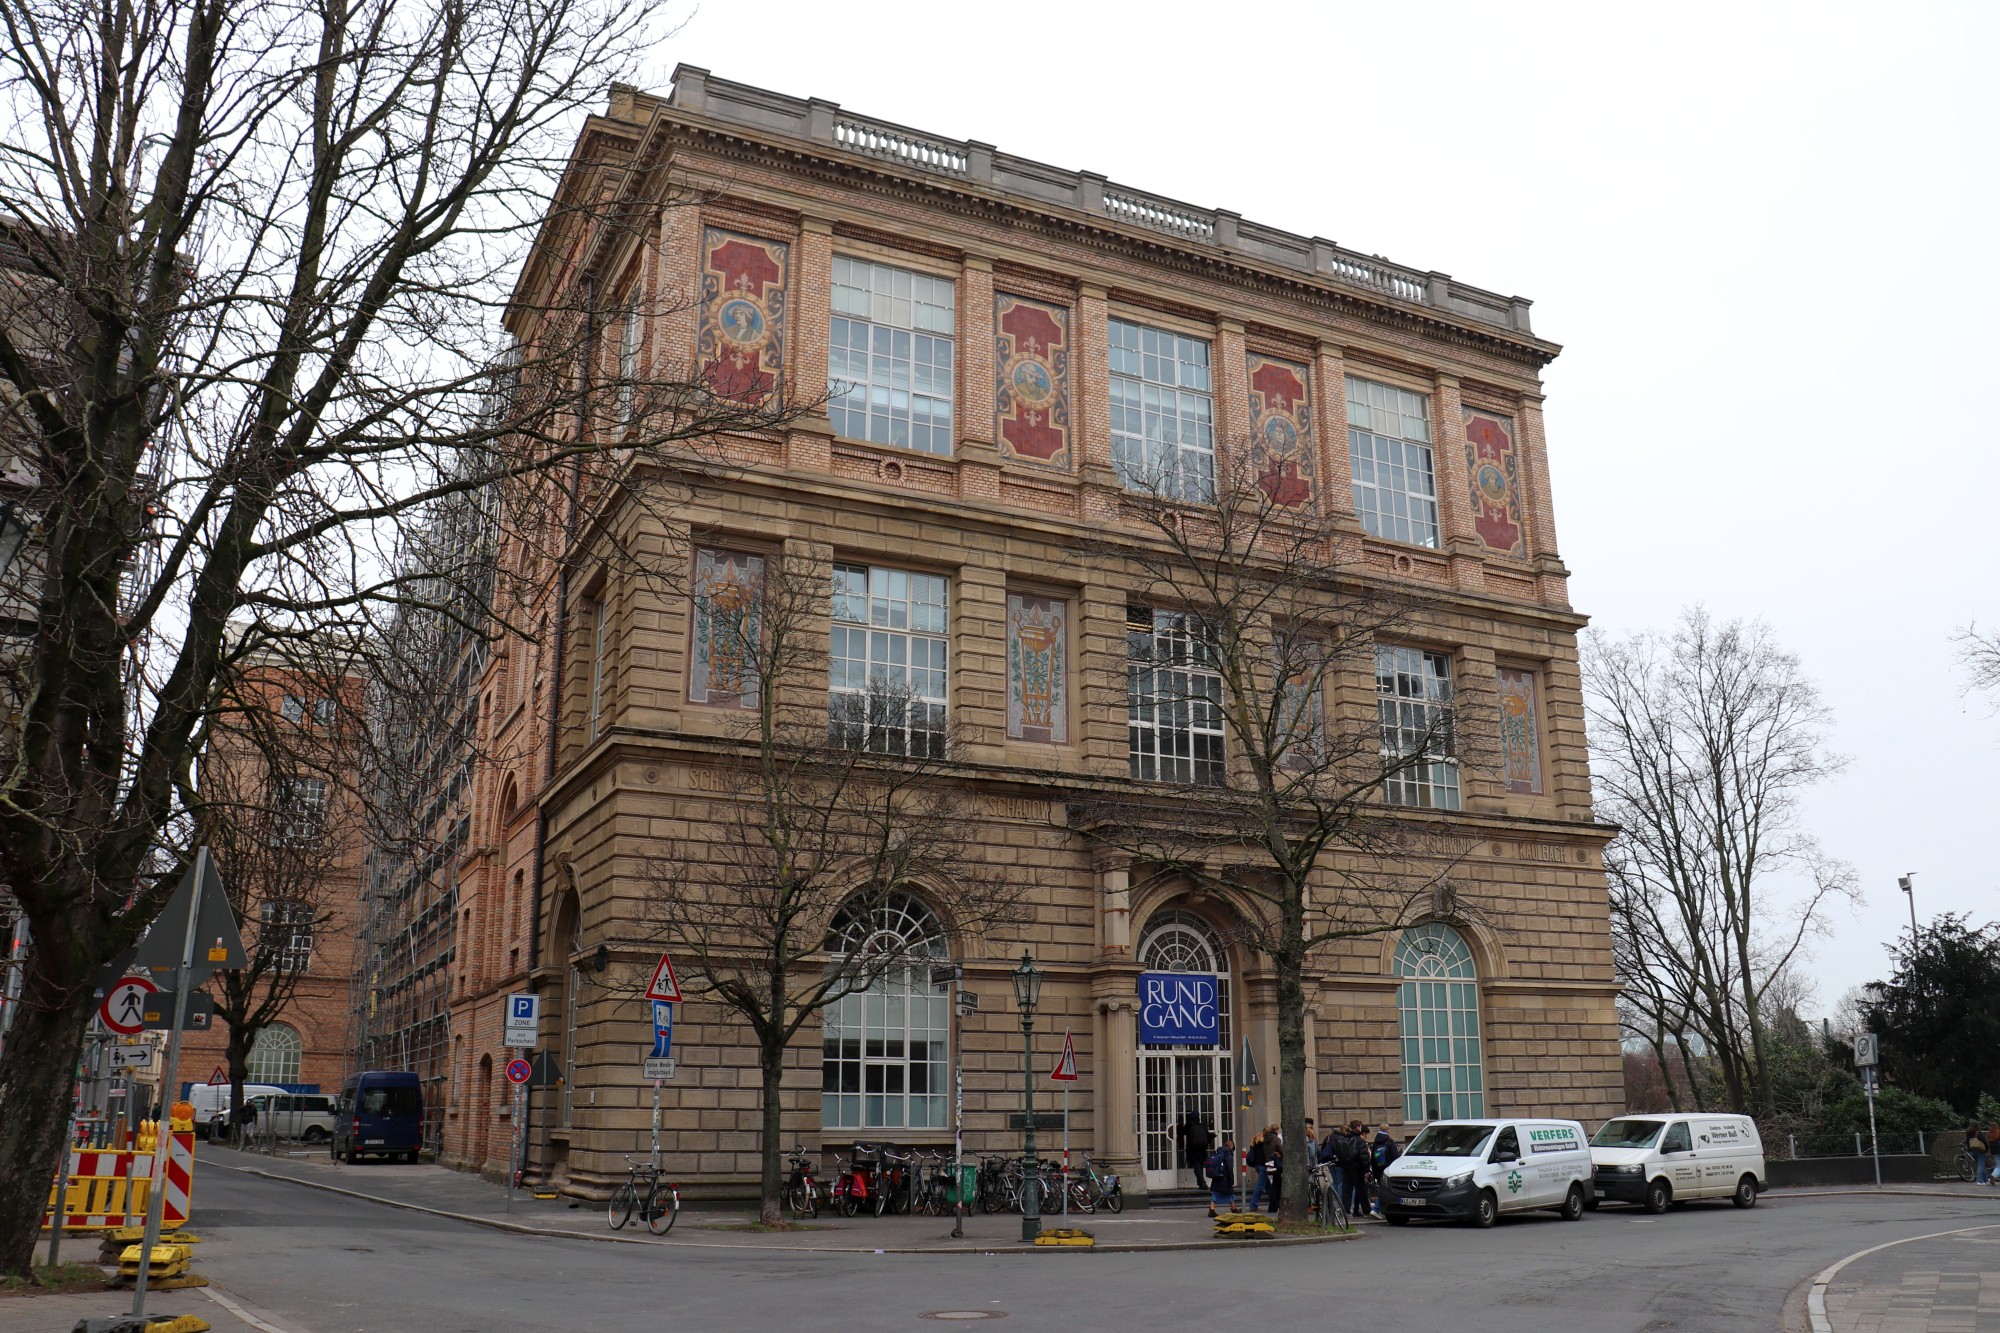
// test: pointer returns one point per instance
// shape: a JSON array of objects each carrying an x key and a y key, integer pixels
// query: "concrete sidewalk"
[
  {"x": 1939, "y": 1284},
  {"x": 224, "y": 1311},
  {"x": 465, "y": 1197}
]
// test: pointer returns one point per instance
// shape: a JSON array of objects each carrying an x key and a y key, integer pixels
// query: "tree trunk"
[
  {"x": 237, "y": 1056},
  {"x": 37, "y": 1082},
  {"x": 1292, "y": 1083},
  {"x": 772, "y": 1145}
]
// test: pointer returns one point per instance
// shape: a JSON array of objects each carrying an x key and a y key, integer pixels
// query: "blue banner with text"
[{"x": 1178, "y": 1009}]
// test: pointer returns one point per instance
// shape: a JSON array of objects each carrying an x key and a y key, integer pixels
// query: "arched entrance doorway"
[{"x": 1174, "y": 1080}]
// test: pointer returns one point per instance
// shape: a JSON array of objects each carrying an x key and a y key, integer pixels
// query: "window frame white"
[
  {"x": 1406, "y": 717},
  {"x": 285, "y": 933},
  {"x": 1437, "y": 1000},
  {"x": 906, "y": 357},
  {"x": 628, "y": 361},
  {"x": 1167, "y": 730},
  {"x": 298, "y": 808},
  {"x": 598, "y": 616},
  {"x": 883, "y": 698},
  {"x": 1389, "y": 444},
  {"x": 869, "y": 1039},
  {"x": 257, "y": 1064},
  {"x": 1137, "y": 357}
]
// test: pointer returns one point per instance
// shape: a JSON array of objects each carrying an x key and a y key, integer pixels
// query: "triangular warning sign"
[
  {"x": 664, "y": 985},
  {"x": 1065, "y": 1070}
]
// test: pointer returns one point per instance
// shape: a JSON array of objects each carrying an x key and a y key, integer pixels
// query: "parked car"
[
  {"x": 1657, "y": 1161},
  {"x": 297, "y": 1115},
  {"x": 211, "y": 1103},
  {"x": 1476, "y": 1170},
  {"x": 381, "y": 1114}
]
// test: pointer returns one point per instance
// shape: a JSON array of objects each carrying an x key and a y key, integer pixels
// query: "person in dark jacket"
[
  {"x": 1196, "y": 1143},
  {"x": 1221, "y": 1170},
  {"x": 1354, "y": 1166}
]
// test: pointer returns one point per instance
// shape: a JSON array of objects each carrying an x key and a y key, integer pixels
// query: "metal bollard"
[
  {"x": 1857, "y": 1144},
  {"x": 1921, "y": 1149},
  {"x": 1793, "y": 1139}
]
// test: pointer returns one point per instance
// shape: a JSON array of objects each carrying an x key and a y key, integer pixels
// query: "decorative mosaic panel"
[
  {"x": 728, "y": 592},
  {"x": 740, "y": 346},
  {"x": 1491, "y": 462},
  {"x": 1032, "y": 361},
  {"x": 1520, "y": 731},
  {"x": 1037, "y": 669},
  {"x": 1281, "y": 435}
]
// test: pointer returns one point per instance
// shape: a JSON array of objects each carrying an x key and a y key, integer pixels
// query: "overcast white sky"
[{"x": 1764, "y": 232}]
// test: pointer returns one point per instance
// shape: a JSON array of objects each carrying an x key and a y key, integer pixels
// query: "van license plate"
[
  {"x": 372, "y": 1143},
  {"x": 1411, "y": 1203}
]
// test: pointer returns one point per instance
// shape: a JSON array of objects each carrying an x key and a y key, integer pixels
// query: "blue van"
[{"x": 381, "y": 1113}]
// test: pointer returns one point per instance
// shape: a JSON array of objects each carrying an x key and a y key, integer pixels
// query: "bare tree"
[
  {"x": 1980, "y": 652},
  {"x": 1706, "y": 741},
  {"x": 265, "y": 250},
  {"x": 1252, "y": 620},
  {"x": 792, "y": 893}
]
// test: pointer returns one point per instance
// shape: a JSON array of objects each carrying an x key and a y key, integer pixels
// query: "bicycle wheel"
[
  {"x": 1114, "y": 1199},
  {"x": 878, "y": 1195},
  {"x": 623, "y": 1200},
  {"x": 1079, "y": 1197},
  {"x": 1964, "y": 1164},
  {"x": 663, "y": 1206}
]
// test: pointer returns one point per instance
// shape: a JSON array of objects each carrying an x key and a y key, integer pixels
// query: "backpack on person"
[{"x": 1383, "y": 1153}]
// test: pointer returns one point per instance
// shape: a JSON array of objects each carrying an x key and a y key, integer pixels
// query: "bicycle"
[
  {"x": 1102, "y": 1187},
  {"x": 1323, "y": 1201},
  {"x": 1964, "y": 1165},
  {"x": 801, "y": 1190},
  {"x": 657, "y": 1201}
]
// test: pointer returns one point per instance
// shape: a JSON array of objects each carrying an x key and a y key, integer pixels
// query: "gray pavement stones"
[
  {"x": 1948, "y": 1284},
  {"x": 465, "y": 1197}
]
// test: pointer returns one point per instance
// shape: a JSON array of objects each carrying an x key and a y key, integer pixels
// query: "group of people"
[
  {"x": 1983, "y": 1142},
  {"x": 1358, "y": 1153}
]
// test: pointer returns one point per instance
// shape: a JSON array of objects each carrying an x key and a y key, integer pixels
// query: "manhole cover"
[{"x": 964, "y": 1314}]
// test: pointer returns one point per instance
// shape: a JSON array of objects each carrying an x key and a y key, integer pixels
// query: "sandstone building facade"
[{"x": 992, "y": 350}]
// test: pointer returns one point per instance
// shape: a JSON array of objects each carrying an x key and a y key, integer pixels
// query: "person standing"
[
  {"x": 1978, "y": 1144},
  {"x": 1196, "y": 1143},
  {"x": 1993, "y": 1152},
  {"x": 1354, "y": 1161},
  {"x": 1274, "y": 1165},
  {"x": 1221, "y": 1170}
]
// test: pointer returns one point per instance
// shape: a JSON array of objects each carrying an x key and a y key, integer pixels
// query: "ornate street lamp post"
[{"x": 1027, "y": 990}]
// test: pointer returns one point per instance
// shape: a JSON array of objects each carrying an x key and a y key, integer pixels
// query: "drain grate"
[{"x": 964, "y": 1314}]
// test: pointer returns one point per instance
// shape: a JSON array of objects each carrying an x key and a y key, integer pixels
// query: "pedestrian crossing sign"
[{"x": 1065, "y": 1070}]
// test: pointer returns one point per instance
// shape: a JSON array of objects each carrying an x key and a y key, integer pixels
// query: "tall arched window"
[
  {"x": 886, "y": 1052},
  {"x": 1438, "y": 1004},
  {"x": 275, "y": 1055}
]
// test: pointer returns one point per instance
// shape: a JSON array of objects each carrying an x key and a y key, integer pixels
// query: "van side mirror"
[{"x": 1507, "y": 1155}]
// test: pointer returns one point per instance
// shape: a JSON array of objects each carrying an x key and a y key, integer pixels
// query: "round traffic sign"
[
  {"x": 517, "y": 1071},
  {"x": 124, "y": 1007}
]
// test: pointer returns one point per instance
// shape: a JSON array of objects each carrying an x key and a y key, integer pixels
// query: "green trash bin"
[{"x": 967, "y": 1185}]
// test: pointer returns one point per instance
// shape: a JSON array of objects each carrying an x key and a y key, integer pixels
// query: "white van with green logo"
[
  {"x": 1657, "y": 1161},
  {"x": 1475, "y": 1170}
]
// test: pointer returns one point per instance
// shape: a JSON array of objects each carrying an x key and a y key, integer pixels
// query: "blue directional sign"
[
  {"x": 663, "y": 1030},
  {"x": 1178, "y": 1009}
]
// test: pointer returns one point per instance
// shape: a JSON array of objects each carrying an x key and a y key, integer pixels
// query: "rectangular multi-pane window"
[
  {"x": 885, "y": 1061},
  {"x": 887, "y": 660},
  {"x": 599, "y": 616},
  {"x": 1162, "y": 413},
  {"x": 1413, "y": 700},
  {"x": 628, "y": 360},
  {"x": 890, "y": 370},
  {"x": 1173, "y": 699},
  {"x": 285, "y": 935},
  {"x": 1395, "y": 479},
  {"x": 299, "y": 809}
]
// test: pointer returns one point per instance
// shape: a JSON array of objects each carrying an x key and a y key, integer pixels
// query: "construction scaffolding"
[{"x": 424, "y": 725}]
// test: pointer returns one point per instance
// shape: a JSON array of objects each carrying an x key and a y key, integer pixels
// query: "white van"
[
  {"x": 211, "y": 1102},
  {"x": 296, "y": 1115},
  {"x": 1657, "y": 1161},
  {"x": 1479, "y": 1169}
]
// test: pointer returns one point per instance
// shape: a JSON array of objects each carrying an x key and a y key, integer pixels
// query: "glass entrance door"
[{"x": 1173, "y": 1085}]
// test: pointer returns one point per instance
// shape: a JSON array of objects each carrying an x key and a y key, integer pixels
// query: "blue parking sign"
[
  {"x": 523, "y": 1010},
  {"x": 663, "y": 1030}
]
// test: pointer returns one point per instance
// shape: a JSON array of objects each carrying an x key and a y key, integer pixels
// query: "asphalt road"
[{"x": 321, "y": 1263}]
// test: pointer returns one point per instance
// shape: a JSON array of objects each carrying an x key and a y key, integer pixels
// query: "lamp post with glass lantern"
[{"x": 1027, "y": 990}]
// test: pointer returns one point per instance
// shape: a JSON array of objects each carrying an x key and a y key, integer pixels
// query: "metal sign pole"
[
  {"x": 515, "y": 1164},
  {"x": 1065, "y": 1184},
  {"x": 156, "y": 1196},
  {"x": 655, "y": 1157},
  {"x": 1873, "y": 1146}
]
